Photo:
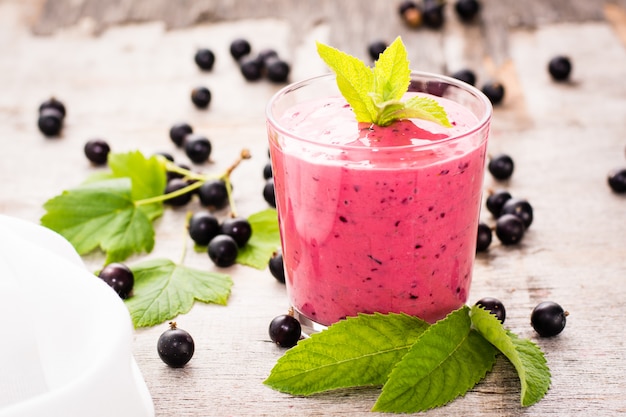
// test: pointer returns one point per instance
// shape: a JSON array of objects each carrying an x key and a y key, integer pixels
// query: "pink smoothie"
[{"x": 376, "y": 219}]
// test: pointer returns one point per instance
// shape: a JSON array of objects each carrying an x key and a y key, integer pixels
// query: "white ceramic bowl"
[{"x": 65, "y": 346}]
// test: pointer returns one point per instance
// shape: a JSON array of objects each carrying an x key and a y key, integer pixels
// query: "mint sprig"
[
  {"x": 419, "y": 366},
  {"x": 375, "y": 94}
]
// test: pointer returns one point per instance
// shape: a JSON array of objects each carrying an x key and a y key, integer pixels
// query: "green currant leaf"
[
  {"x": 354, "y": 79},
  {"x": 264, "y": 241},
  {"x": 101, "y": 214},
  {"x": 525, "y": 356},
  {"x": 163, "y": 290},
  {"x": 147, "y": 175},
  {"x": 357, "y": 351},
  {"x": 445, "y": 362}
]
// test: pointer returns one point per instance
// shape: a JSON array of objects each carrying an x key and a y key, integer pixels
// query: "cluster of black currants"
[
  {"x": 513, "y": 215},
  {"x": 197, "y": 146},
  {"x": 493, "y": 89},
  {"x": 547, "y": 318},
  {"x": 430, "y": 13},
  {"x": 223, "y": 240},
  {"x": 51, "y": 117},
  {"x": 268, "y": 189},
  {"x": 266, "y": 63}
]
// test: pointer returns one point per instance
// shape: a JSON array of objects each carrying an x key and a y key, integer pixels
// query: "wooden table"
[{"x": 125, "y": 70}]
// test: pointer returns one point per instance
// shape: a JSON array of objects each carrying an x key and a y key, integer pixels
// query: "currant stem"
[
  {"x": 163, "y": 197},
  {"x": 245, "y": 154}
]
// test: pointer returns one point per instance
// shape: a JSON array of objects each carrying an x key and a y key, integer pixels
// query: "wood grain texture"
[{"x": 125, "y": 69}]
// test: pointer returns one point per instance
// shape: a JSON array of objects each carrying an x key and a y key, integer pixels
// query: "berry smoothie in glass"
[{"x": 377, "y": 218}]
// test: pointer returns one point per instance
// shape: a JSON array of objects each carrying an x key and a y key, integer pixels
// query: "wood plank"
[{"x": 125, "y": 70}]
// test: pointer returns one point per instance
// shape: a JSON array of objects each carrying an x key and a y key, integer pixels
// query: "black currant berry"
[
  {"x": 509, "y": 229},
  {"x": 97, "y": 151},
  {"x": 266, "y": 55},
  {"x": 238, "y": 228},
  {"x": 165, "y": 155},
  {"x": 201, "y": 97},
  {"x": 466, "y": 75},
  {"x": 617, "y": 180},
  {"x": 494, "y": 92},
  {"x": 239, "y": 48},
  {"x": 501, "y": 167},
  {"x": 176, "y": 184},
  {"x": 285, "y": 330},
  {"x": 223, "y": 250},
  {"x": 277, "y": 70},
  {"x": 267, "y": 171},
  {"x": 179, "y": 131},
  {"x": 375, "y": 48},
  {"x": 560, "y": 68},
  {"x": 175, "y": 346},
  {"x": 411, "y": 13},
  {"x": 251, "y": 68},
  {"x": 198, "y": 148},
  {"x": 50, "y": 121},
  {"x": 204, "y": 58},
  {"x": 484, "y": 238},
  {"x": 496, "y": 200},
  {"x": 548, "y": 319},
  {"x": 268, "y": 192},
  {"x": 432, "y": 14},
  {"x": 494, "y": 306},
  {"x": 520, "y": 208},
  {"x": 276, "y": 266},
  {"x": 119, "y": 277},
  {"x": 53, "y": 103},
  {"x": 213, "y": 193},
  {"x": 467, "y": 9},
  {"x": 203, "y": 227}
]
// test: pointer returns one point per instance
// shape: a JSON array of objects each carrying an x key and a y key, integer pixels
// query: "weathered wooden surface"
[{"x": 131, "y": 82}]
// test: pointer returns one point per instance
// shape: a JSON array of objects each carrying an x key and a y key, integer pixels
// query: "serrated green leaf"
[
  {"x": 525, "y": 356},
  {"x": 375, "y": 94},
  {"x": 264, "y": 241},
  {"x": 163, "y": 290},
  {"x": 355, "y": 80},
  {"x": 357, "y": 351},
  {"x": 424, "y": 108},
  {"x": 392, "y": 74},
  {"x": 147, "y": 175},
  {"x": 444, "y": 363},
  {"x": 101, "y": 214}
]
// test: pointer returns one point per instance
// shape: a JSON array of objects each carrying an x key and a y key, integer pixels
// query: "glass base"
[{"x": 309, "y": 326}]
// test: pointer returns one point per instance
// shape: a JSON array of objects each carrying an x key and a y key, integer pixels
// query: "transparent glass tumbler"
[{"x": 377, "y": 220}]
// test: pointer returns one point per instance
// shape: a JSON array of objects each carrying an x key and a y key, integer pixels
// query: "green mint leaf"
[
  {"x": 264, "y": 241},
  {"x": 525, "y": 356},
  {"x": 163, "y": 290},
  {"x": 354, "y": 79},
  {"x": 445, "y": 362},
  {"x": 392, "y": 74},
  {"x": 357, "y": 351},
  {"x": 101, "y": 214},
  {"x": 424, "y": 108},
  {"x": 375, "y": 94}
]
